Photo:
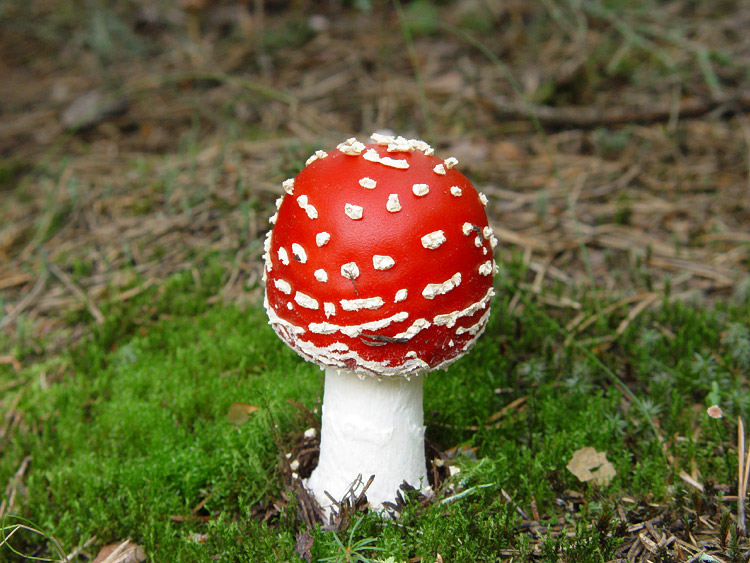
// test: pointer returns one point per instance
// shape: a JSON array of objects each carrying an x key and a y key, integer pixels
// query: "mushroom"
[{"x": 379, "y": 269}]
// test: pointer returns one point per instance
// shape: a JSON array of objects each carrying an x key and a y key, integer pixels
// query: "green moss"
[
  {"x": 143, "y": 437},
  {"x": 132, "y": 436}
]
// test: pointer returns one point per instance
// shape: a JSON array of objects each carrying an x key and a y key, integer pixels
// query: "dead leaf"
[
  {"x": 304, "y": 545},
  {"x": 123, "y": 552},
  {"x": 589, "y": 465},
  {"x": 91, "y": 108},
  {"x": 239, "y": 413}
]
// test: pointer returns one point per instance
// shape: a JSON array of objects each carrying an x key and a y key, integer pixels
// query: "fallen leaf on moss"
[
  {"x": 304, "y": 545},
  {"x": 123, "y": 552},
  {"x": 239, "y": 413},
  {"x": 589, "y": 465}
]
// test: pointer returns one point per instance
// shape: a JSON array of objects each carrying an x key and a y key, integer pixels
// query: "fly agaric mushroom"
[{"x": 379, "y": 269}]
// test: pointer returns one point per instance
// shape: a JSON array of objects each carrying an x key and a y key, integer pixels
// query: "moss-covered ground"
[{"x": 128, "y": 435}]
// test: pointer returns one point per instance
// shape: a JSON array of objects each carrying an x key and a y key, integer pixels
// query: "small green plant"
[
  {"x": 736, "y": 339},
  {"x": 591, "y": 543},
  {"x": 421, "y": 17},
  {"x": 624, "y": 210},
  {"x": 355, "y": 550}
]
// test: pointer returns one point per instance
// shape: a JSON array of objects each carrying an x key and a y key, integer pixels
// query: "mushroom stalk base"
[{"x": 369, "y": 427}]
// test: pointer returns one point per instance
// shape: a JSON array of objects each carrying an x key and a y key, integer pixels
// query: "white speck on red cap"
[
  {"x": 483, "y": 199},
  {"x": 432, "y": 290},
  {"x": 316, "y": 156},
  {"x": 368, "y": 183},
  {"x": 372, "y": 156},
  {"x": 401, "y": 144},
  {"x": 456, "y": 191},
  {"x": 420, "y": 189},
  {"x": 476, "y": 327},
  {"x": 351, "y": 147},
  {"x": 304, "y": 300},
  {"x": 350, "y": 270},
  {"x": 467, "y": 228},
  {"x": 283, "y": 256},
  {"x": 450, "y": 162},
  {"x": 353, "y": 211},
  {"x": 299, "y": 253},
  {"x": 329, "y": 309},
  {"x": 439, "y": 169},
  {"x": 399, "y": 163},
  {"x": 393, "y": 205},
  {"x": 380, "y": 262},
  {"x": 321, "y": 275},
  {"x": 283, "y": 286},
  {"x": 449, "y": 319},
  {"x": 288, "y": 186},
  {"x": 401, "y": 295},
  {"x": 358, "y": 304},
  {"x": 478, "y": 241},
  {"x": 486, "y": 268},
  {"x": 416, "y": 327},
  {"x": 418, "y": 145},
  {"x": 353, "y": 331},
  {"x": 381, "y": 139},
  {"x": 322, "y": 238},
  {"x": 433, "y": 240},
  {"x": 267, "y": 253},
  {"x": 311, "y": 211},
  {"x": 323, "y": 328}
]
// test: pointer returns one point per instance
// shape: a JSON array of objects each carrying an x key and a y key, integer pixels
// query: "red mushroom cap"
[{"x": 380, "y": 259}]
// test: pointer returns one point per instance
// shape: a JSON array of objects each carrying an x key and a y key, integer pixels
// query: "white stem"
[{"x": 369, "y": 427}]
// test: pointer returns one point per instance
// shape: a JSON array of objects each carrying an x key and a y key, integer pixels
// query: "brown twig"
[
  {"x": 79, "y": 550},
  {"x": 743, "y": 461},
  {"x": 27, "y": 301},
  {"x": 71, "y": 286},
  {"x": 7, "y": 504},
  {"x": 510, "y": 500},
  {"x": 591, "y": 117}
]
